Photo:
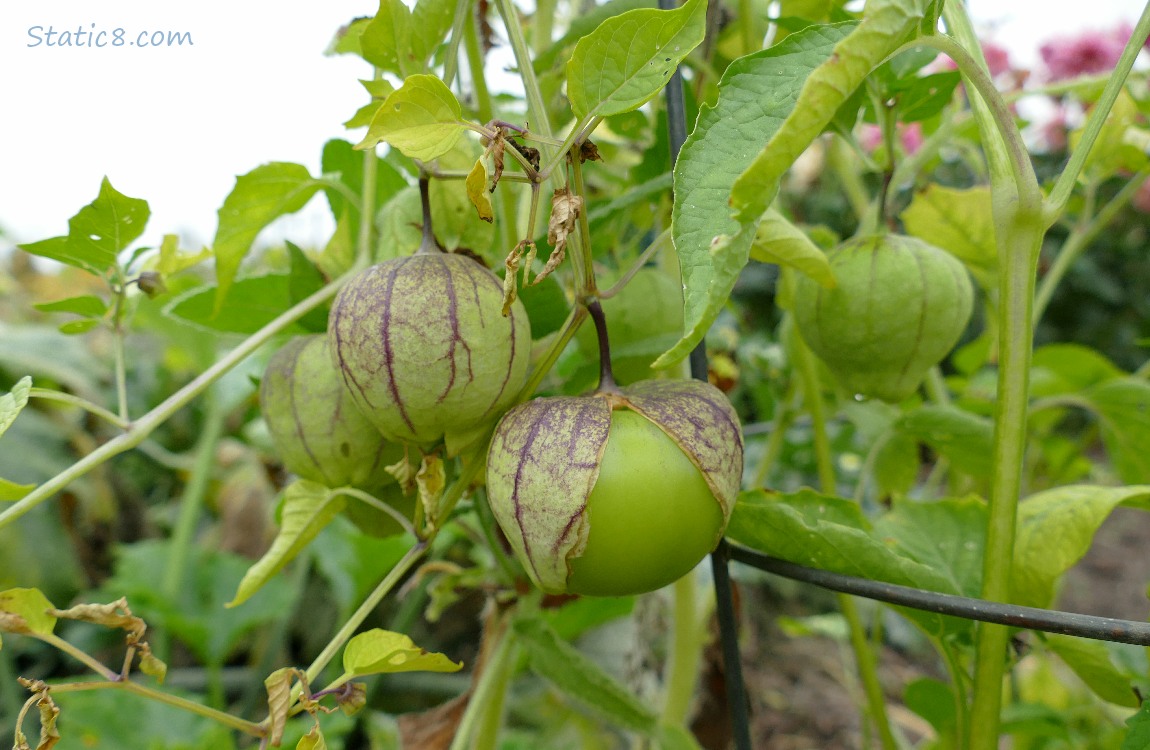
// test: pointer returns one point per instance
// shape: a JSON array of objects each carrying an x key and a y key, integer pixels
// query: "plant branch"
[
  {"x": 48, "y": 394},
  {"x": 83, "y": 657},
  {"x": 374, "y": 502},
  {"x": 656, "y": 245},
  {"x": 1117, "y": 79},
  {"x": 463, "y": 19}
]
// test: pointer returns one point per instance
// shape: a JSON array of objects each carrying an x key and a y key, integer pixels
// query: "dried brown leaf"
[
  {"x": 565, "y": 209},
  {"x": 588, "y": 151},
  {"x": 435, "y": 728}
]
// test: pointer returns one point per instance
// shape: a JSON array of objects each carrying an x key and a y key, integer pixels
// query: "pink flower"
[
  {"x": 910, "y": 136},
  {"x": 1092, "y": 51},
  {"x": 1141, "y": 199},
  {"x": 997, "y": 58}
]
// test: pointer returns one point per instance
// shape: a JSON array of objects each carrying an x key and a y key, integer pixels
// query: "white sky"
[{"x": 174, "y": 125}]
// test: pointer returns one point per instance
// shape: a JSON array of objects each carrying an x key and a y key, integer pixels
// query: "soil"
[{"x": 803, "y": 692}]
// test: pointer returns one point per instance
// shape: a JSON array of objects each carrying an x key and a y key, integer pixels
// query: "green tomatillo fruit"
[
  {"x": 899, "y": 307},
  {"x": 423, "y": 346},
  {"x": 616, "y": 493},
  {"x": 318, "y": 431}
]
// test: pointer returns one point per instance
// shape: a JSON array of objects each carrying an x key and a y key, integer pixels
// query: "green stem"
[
  {"x": 464, "y": 18},
  {"x": 363, "y": 246},
  {"x": 118, "y": 350},
  {"x": 479, "y": 727},
  {"x": 146, "y": 424},
  {"x": 369, "y": 604},
  {"x": 776, "y": 441},
  {"x": 48, "y": 394},
  {"x": 81, "y": 656},
  {"x": 686, "y": 652},
  {"x": 1080, "y": 238},
  {"x": 193, "y": 498},
  {"x": 746, "y": 14},
  {"x": 864, "y": 656},
  {"x": 583, "y": 260},
  {"x": 656, "y": 245},
  {"x": 958, "y": 682},
  {"x": 536, "y": 110},
  {"x": 368, "y": 499},
  {"x": 543, "y": 23},
  {"x": 1063, "y": 188},
  {"x": 849, "y": 179}
]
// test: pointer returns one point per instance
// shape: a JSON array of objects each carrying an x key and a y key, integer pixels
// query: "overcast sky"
[{"x": 174, "y": 125}]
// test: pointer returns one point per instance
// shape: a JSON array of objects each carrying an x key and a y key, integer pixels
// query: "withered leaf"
[
  {"x": 565, "y": 208},
  {"x": 588, "y": 151},
  {"x": 435, "y": 728}
]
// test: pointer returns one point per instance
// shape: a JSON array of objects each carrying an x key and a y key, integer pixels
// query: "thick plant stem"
[
  {"x": 479, "y": 727},
  {"x": 146, "y": 424},
  {"x": 864, "y": 656},
  {"x": 686, "y": 651}
]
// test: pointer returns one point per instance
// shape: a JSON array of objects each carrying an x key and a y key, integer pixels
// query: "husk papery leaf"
[
  {"x": 900, "y": 306},
  {"x": 319, "y": 433},
  {"x": 424, "y": 348},
  {"x": 541, "y": 467},
  {"x": 702, "y": 422}
]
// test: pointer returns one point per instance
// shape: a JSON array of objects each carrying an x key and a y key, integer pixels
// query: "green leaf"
[
  {"x": 260, "y": 197},
  {"x": 958, "y": 221},
  {"x": 74, "y": 327},
  {"x": 965, "y": 439},
  {"x": 1068, "y": 368},
  {"x": 923, "y": 97},
  {"x": 1090, "y": 660},
  {"x": 946, "y": 535},
  {"x": 313, "y": 740},
  {"x": 98, "y": 232},
  {"x": 88, "y": 305},
  {"x": 10, "y": 491},
  {"x": 384, "y": 652},
  {"x": 627, "y": 60},
  {"x": 565, "y": 667},
  {"x": 831, "y": 533},
  {"x": 421, "y": 118},
  {"x": 582, "y": 24},
  {"x": 385, "y": 40},
  {"x": 172, "y": 260},
  {"x": 933, "y": 700},
  {"x": 1055, "y": 529},
  {"x": 1139, "y": 736},
  {"x": 307, "y": 508},
  {"x": 254, "y": 303},
  {"x": 305, "y": 279},
  {"x": 886, "y": 24},
  {"x": 779, "y": 241},
  {"x": 13, "y": 402},
  {"x": 1123, "y": 408},
  {"x": 26, "y": 611},
  {"x": 340, "y": 159},
  {"x": 896, "y": 464},
  {"x": 431, "y": 21},
  {"x": 673, "y": 737},
  {"x": 756, "y": 93}
]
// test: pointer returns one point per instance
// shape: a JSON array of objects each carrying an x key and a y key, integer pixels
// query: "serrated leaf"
[
  {"x": 885, "y": 25},
  {"x": 307, "y": 508},
  {"x": 1123, "y": 409},
  {"x": 965, "y": 439},
  {"x": 259, "y": 197},
  {"x": 26, "y": 611},
  {"x": 422, "y": 118},
  {"x": 756, "y": 93},
  {"x": 629, "y": 58},
  {"x": 831, "y": 533},
  {"x": 13, "y": 402},
  {"x": 1090, "y": 660},
  {"x": 10, "y": 491},
  {"x": 385, "y": 40},
  {"x": 958, "y": 221},
  {"x": 476, "y": 184},
  {"x": 564, "y": 666},
  {"x": 1056, "y": 528},
  {"x": 781, "y": 242},
  {"x": 88, "y": 305},
  {"x": 379, "y": 651}
]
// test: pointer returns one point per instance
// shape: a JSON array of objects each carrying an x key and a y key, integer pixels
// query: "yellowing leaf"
[
  {"x": 629, "y": 58},
  {"x": 278, "y": 685},
  {"x": 26, "y": 611},
  {"x": 307, "y": 508},
  {"x": 957, "y": 220},
  {"x": 10, "y": 491},
  {"x": 313, "y": 740},
  {"x": 382, "y": 652},
  {"x": 779, "y": 241},
  {"x": 422, "y": 118},
  {"x": 477, "y": 190},
  {"x": 431, "y": 480}
]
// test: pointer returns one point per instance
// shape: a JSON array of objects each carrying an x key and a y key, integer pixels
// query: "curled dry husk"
[
  {"x": 899, "y": 307},
  {"x": 318, "y": 432},
  {"x": 545, "y": 455},
  {"x": 424, "y": 348}
]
